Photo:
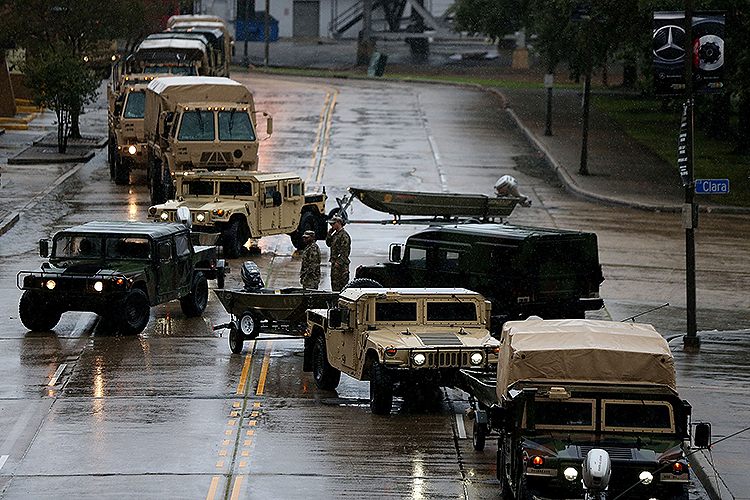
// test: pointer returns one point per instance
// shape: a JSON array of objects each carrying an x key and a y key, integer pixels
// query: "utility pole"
[
  {"x": 690, "y": 210},
  {"x": 268, "y": 31}
]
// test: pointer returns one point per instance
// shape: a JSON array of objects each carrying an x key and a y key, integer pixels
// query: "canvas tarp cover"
[
  {"x": 585, "y": 351},
  {"x": 201, "y": 89}
]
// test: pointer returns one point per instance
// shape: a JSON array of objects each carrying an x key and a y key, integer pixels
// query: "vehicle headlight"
[
  {"x": 419, "y": 359},
  {"x": 132, "y": 149},
  {"x": 476, "y": 358},
  {"x": 646, "y": 477},
  {"x": 164, "y": 216},
  {"x": 99, "y": 286},
  {"x": 570, "y": 474},
  {"x": 50, "y": 284},
  {"x": 200, "y": 217}
]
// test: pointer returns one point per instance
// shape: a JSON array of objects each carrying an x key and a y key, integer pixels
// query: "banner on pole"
[
  {"x": 707, "y": 53},
  {"x": 682, "y": 149}
]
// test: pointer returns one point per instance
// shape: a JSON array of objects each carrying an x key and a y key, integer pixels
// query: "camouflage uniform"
[
  {"x": 341, "y": 244},
  {"x": 309, "y": 271}
]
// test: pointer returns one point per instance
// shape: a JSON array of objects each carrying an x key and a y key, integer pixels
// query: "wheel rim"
[{"x": 247, "y": 325}]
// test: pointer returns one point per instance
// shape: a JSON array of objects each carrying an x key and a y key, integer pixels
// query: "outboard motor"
[
  {"x": 507, "y": 186},
  {"x": 597, "y": 468},
  {"x": 251, "y": 276}
]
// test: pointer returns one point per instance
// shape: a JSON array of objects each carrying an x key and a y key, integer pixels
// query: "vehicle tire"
[
  {"x": 111, "y": 152},
  {"x": 235, "y": 339},
  {"x": 122, "y": 172},
  {"x": 233, "y": 239},
  {"x": 36, "y": 314},
  {"x": 338, "y": 212},
  {"x": 134, "y": 312},
  {"x": 168, "y": 185},
  {"x": 362, "y": 283},
  {"x": 220, "y": 277},
  {"x": 194, "y": 303},
  {"x": 326, "y": 377},
  {"x": 306, "y": 223},
  {"x": 249, "y": 325},
  {"x": 478, "y": 435},
  {"x": 523, "y": 492},
  {"x": 381, "y": 390},
  {"x": 679, "y": 493}
]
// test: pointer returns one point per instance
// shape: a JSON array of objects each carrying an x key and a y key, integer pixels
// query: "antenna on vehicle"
[{"x": 631, "y": 318}]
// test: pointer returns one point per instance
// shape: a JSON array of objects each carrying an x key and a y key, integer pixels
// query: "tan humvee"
[
  {"x": 198, "y": 123},
  {"x": 397, "y": 337},
  {"x": 241, "y": 205}
]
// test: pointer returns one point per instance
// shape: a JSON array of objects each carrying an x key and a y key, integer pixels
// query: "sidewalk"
[{"x": 621, "y": 172}]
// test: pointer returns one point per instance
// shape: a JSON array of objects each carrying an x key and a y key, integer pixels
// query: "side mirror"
[
  {"x": 44, "y": 248},
  {"x": 269, "y": 124},
  {"x": 702, "y": 438},
  {"x": 396, "y": 252},
  {"x": 334, "y": 318}
]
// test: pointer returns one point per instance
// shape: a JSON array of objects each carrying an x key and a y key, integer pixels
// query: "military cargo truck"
[
  {"x": 118, "y": 270},
  {"x": 400, "y": 339},
  {"x": 585, "y": 409},
  {"x": 127, "y": 140},
  {"x": 198, "y": 123},
  {"x": 241, "y": 205},
  {"x": 524, "y": 271}
]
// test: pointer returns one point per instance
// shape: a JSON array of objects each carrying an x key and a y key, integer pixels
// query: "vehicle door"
[
  {"x": 293, "y": 197},
  {"x": 166, "y": 269},
  {"x": 415, "y": 264},
  {"x": 342, "y": 343},
  {"x": 449, "y": 266},
  {"x": 271, "y": 202},
  {"x": 184, "y": 262}
]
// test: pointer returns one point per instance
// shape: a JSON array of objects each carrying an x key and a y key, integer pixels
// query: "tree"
[
  {"x": 62, "y": 82},
  {"x": 491, "y": 18}
]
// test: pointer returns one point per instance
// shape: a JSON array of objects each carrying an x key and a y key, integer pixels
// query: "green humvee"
[
  {"x": 396, "y": 338},
  {"x": 118, "y": 270}
]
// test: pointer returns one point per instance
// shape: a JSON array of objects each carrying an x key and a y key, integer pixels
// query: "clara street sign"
[{"x": 711, "y": 186}]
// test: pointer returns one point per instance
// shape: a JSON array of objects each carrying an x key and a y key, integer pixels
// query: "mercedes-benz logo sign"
[{"x": 669, "y": 43}]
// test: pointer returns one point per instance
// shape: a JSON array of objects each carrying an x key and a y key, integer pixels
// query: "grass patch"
[{"x": 644, "y": 120}]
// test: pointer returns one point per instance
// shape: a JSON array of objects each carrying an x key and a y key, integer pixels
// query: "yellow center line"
[
  {"x": 321, "y": 120},
  {"x": 245, "y": 372},
  {"x": 212, "y": 488},
  {"x": 264, "y": 369},
  {"x": 329, "y": 118},
  {"x": 236, "y": 489}
]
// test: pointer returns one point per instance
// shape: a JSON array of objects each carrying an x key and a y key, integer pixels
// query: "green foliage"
[
  {"x": 491, "y": 18},
  {"x": 61, "y": 81}
]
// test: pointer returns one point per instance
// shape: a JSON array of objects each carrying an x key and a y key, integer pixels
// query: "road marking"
[
  {"x": 3, "y": 459},
  {"x": 245, "y": 372},
  {"x": 58, "y": 372},
  {"x": 264, "y": 369},
  {"x": 460, "y": 425},
  {"x": 236, "y": 489},
  {"x": 212, "y": 489},
  {"x": 321, "y": 166},
  {"x": 321, "y": 120}
]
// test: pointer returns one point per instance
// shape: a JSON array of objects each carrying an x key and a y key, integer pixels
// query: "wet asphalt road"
[{"x": 171, "y": 413}]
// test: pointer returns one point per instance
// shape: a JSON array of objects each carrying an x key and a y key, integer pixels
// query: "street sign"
[{"x": 711, "y": 186}]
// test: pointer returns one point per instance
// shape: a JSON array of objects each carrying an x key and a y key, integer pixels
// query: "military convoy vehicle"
[
  {"x": 241, "y": 205},
  {"x": 127, "y": 140},
  {"x": 398, "y": 338},
  {"x": 524, "y": 271},
  {"x": 585, "y": 409},
  {"x": 198, "y": 123},
  {"x": 118, "y": 270}
]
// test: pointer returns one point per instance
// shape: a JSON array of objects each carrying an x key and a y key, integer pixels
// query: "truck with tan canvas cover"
[
  {"x": 198, "y": 123},
  {"x": 585, "y": 409},
  {"x": 403, "y": 340},
  {"x": 241, "y": 205}
]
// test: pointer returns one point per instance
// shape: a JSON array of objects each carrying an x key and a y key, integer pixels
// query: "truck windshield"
[
  {"x": 565, "y": 414},
  {"x": 198, "y": 188},
  {"x": 197, "y": 126},
  {"x": 82, "y": 247},
  {"x": 451, "y": 311},
  {"x": 235, "y": 126},
  {"x": 128, "y": 248},
  {"x": 135, "y": 107},
  {"x": 638, "y": 415},
  {"x": 395, "y": 311}
]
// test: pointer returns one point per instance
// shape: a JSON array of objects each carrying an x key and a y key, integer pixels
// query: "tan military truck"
[
  {"x": 198, "y": 123},
  {"x": 241, "y": 205},
  {"x": 399, "y": 339}
]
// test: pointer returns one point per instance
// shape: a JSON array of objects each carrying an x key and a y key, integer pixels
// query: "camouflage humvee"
[
  {"x": 398, "y": 337},
  {"x": 118, "y": 270}
]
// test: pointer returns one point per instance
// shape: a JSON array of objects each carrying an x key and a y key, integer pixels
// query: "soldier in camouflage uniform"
[
  {"x": 309, "y": 271},
  {"x": 341, "y": 244}
]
